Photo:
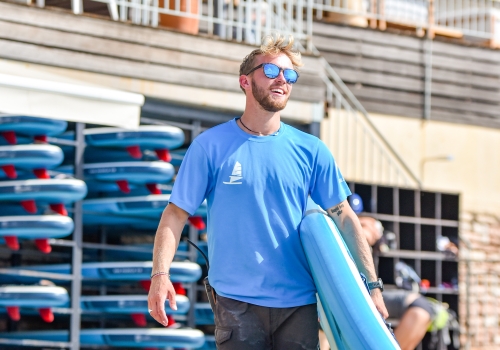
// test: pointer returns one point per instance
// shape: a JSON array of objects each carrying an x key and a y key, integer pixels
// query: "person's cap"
[{"x": 356, "y": 203}]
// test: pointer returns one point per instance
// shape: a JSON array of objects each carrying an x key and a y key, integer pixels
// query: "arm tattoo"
[{"x": 337, "y": 209}]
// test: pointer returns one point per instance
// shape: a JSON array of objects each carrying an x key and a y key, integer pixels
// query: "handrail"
[
  {"x": 242, "y": 21},
  {"x": 479, "y": 18},
  {"x": 347, "y": 92}
]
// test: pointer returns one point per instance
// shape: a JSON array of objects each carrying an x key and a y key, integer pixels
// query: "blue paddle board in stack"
[
  {"x": 159, "y": 139},
  {"x": 129, "y": 304},
  {"x": 42, "y": 298},
  {"x": 37, "y": 227},
  {"x": 185, "y": 272},
  {"x": 210, "y": 343},
  {"x": 97, "y": 155},
  {"x": 181, "y": 253},
  {"x": 33, "y": 127},
  {"x": 36, "y": 158},
  {"x": 178, "y": 156},
  {"x": 142, "y": 211},
  {"x": 348, "y": 313},
  {"x": 122, "y": 337},
  {"x": 135, "y": 306},
  {"x": 124, "y": 176},
  {"x": 30, "y": 298},
  {"x": 203, "y": 314},
  {"x": 55, "y": 192}
]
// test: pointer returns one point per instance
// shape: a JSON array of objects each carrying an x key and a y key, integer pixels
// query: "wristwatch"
[{"x": 377, "y": 284}]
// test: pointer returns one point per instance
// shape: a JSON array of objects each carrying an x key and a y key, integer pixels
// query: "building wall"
[
  {"x": 474, "y": 171},
  {"x": 479, "y": 280}
]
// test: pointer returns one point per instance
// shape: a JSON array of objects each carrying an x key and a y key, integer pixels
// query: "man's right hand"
[
  {"x": 161, "y": 289},
  {"x": 167, "y": 239}
]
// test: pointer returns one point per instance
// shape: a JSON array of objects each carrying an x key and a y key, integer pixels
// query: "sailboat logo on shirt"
[{"x": 235, "y": 177}]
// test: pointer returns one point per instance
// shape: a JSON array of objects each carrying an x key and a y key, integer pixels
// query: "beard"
[{"x": 266, "y": 100}]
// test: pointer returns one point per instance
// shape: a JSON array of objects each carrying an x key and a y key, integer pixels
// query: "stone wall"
[{"x": 479, "y": 273}]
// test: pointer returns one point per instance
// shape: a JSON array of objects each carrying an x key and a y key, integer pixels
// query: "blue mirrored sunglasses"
[{"x": 272, "y": 71}]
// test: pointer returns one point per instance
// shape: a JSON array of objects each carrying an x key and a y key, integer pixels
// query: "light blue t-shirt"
[{"x": 256, "y": 189}]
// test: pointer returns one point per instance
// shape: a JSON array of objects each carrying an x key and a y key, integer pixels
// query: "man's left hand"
[{"x": 376, "y": 295}]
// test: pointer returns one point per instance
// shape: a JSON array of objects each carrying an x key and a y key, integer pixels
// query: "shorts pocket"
[{"x": 222, "y": 334}]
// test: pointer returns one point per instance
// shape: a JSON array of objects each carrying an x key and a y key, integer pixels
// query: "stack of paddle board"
[
  {"x": 133, "y": 188},
  {"x": 128, "y": 175},
  {"x": 32, "y": 204},
  {"x": 31, "y": 298},
  {"x": 130, "y": 161},
  {"x": 111, "y": 273}
]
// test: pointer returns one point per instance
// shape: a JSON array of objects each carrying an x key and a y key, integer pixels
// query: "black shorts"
[
  {"x": 244, "y": 326},
  {"x": 395, "y": 302}
]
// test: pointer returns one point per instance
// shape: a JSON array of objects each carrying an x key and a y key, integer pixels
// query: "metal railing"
[
  {"x": 362, "y": 152},
  {"x": 239, "y": 20},
  {"x": 477, "y": 18},
  {"x": 456, "y": 18},
  {"x": 248, "y": 20}
]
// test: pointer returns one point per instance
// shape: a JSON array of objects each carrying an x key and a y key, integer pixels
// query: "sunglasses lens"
[
  {"x": 290, "y": 75},
  {"x": 271, "y": 71}
]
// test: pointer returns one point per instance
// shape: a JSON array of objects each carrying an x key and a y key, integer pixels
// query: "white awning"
[{"x": 70, "y": 102}]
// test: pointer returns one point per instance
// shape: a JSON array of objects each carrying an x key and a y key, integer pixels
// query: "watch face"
[
  {"x": 377, "y": 284},
  {"x": 381, "y": 284}
]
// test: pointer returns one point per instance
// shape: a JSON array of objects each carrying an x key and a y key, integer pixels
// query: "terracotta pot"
[
  {"x": 182, "y": 24},
  {"x": 353, "y": 20}
]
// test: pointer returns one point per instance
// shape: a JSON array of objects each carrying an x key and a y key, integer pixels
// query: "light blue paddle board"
[
  {"x": 209, "y": 343},
  {"x": 31, "y": 156},
  {"x": 146, "y": 136},
  {"x": 112, "y": 190},
  {"x": 102, "y": 155},
  {"x": 115, "y": 176},
  {"x": 122, "y": 337},
  {"x": 181, "y": 253},
  {"x": 42, "y": 298},
  {"x": 33, "y": 296},
  {"x": 129, "y": 304},
  {"x": 30, "y": 126},
  {"x": 43, "y": 190},
  {"x": 352, "y": 319},
  {"x": 203, "y": 314},
  {"x": 13, "y": 139},
  {"x": 177, "y": 156},
  {"x": 133, "y": 172},
  {"x": 35, "y": 157},
  {"x": 29, "y": 300},
  {"x": 36, "y": 226},
  {"x": 143, "y": 210},
  {"x": 98, "y": 155},
  {"x": 180, "y": 271}
]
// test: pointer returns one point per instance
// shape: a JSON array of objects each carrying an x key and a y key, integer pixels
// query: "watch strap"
[{"x": 377, "y": 284}]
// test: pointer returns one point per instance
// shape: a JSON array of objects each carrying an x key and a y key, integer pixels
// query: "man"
[
  {"x": 256, "y": 174},
  {"x": 414, "y": 312}
]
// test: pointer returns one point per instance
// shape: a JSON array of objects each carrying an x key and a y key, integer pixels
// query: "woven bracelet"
[{"x": 160, "y": 274}]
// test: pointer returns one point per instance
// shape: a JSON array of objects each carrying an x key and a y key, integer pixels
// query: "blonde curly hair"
[{"x": 273, "y": 44}]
